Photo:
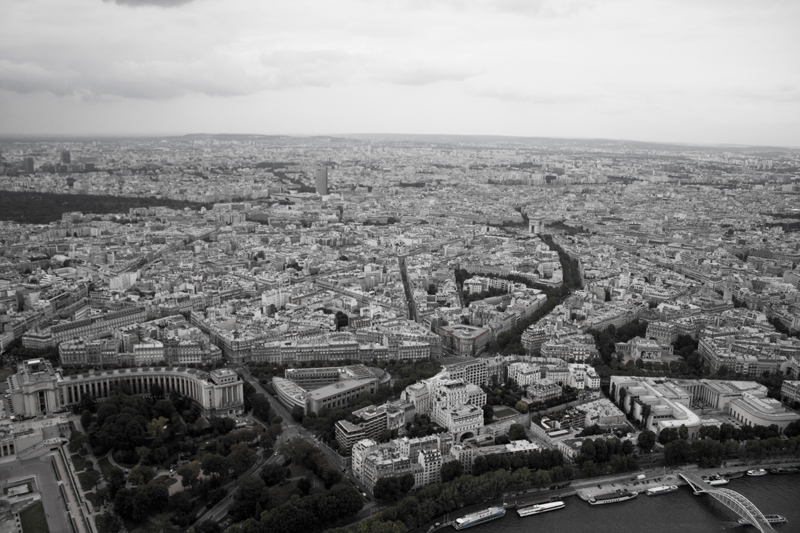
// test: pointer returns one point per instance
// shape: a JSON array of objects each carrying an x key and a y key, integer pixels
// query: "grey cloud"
[
  {"x": 539, "y": 8},
  {"x": 526, "y": 93},
  {"x": 781, "y": 93},
  {"x": 542, "y": 8},
  {"x": 423, "y": 75},
  {"x": 27, "y": 78},
  {"x": 315, "y": 68},
  {"x": 157, "y": 3},
  {"x": 142, "y": 80}
]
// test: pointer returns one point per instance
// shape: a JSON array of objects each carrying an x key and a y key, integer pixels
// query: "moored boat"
[
  {"x": 530, "y": 504},
  {"x": 664, "y": 489},
  {"x": 716, "y": 480},
  {"x": 771, "y": 518},
  {"x": 784, "y": 470},
  {"x": 613, "y": 497},
  {"x": 473, "y": 519},
  {"x": 541, "y": 508},
  {"x": 757, "y": 472}
]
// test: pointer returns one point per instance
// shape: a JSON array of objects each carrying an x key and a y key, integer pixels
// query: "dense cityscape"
[{"x": 390, "y": 333}]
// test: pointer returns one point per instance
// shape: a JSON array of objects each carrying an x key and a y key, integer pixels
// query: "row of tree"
[
  {"x": 510, "y": 341},
  {"x": 603, "y": 456},
  {"x": 715, "y": 444},
  {"x": 438, "y": 499}
]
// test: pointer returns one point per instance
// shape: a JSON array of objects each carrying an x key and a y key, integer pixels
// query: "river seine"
[{"x": 679, "y": 511}]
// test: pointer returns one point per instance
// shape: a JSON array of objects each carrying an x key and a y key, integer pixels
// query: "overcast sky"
[{"x": 701, "y": 71}]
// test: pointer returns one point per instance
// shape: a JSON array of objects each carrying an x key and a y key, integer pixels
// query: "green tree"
[
  {"x": 141, "y": 475},
  {"x": 156, "y": 427},
  {"x": 646, "y": 440},
  {"x": 106, "y": 410},
  {"x": 516, "y": 432},
  {"x": 164, "y": 409},
  {"x": 588, "y": 451},
  {"x": 86, "y": 419},
  {"x": 272, "y": 474},
  {"x": 108, "y": 523},
  {"x": 76, "y": 441},
  {"x": 214, "y": 464},
  {"x": 141, "y": 504},
  {"x": 668, "y": 435},
  {"x": 627, "y": 447},
  {"x": 157, "y": 496},
  {"x": 677, "y": 452},
  {"x": 116, "y": 480},
  {"x": 143, "y": 452},
  {"x": 330, "y": 476},
  {"x": 189, "y": 472},
  {"x": 241, "y": 458},
  {"x": 123, "y": 502},
  {"x": 161, "y": 454},
  {"x": 451, "y": 470},
  {"x": 304, "y": 485},
  {"x": 252, "y": 491}
]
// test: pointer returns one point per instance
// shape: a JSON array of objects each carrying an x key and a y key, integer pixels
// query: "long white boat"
[
  {"x": 757, "y": 472},
  {"x": 473, "y": 519},
  {"x": 541, "y": 508},
  {"x": 664, "y": 489}
]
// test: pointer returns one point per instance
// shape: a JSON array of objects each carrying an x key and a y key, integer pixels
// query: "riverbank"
[{"x": 586, "y": 488}]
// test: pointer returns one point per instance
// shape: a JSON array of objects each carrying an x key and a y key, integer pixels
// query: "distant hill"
[
  {"x": 411, "y": 138},
  {"x": 555, "y": 142}
]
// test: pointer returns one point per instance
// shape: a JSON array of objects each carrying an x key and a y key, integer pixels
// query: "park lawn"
[
  {"x": 105, "y": 467},
  {"x": 85, "y": 485},
  {"x": 4, "y": 373},
  {"x": 502, "y": 412},
  {"x": 301, "y": 471},
  {"x": 78, "y": 462},
  {"x": 282, "y": 493},
  {"x": 92, "y": 497},
  {"x": 166, "y": 480},
  {"x": 33, "y": 519},
  {"x": 164, "y": 525}
]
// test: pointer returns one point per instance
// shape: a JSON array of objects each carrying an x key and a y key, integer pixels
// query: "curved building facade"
[{"x": 37, "y": 388}]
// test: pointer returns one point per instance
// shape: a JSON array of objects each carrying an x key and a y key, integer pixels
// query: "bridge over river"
[{"x": 730, "y": 499}]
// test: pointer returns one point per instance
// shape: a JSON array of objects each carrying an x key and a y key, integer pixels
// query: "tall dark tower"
[
  {"x": 66, "y": 158},
  {"x": 27, "y": 165},
  {"x": 321, "y": 179}
]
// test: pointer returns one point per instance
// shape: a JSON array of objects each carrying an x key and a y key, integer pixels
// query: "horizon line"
[{"x": 25, "y": 137}]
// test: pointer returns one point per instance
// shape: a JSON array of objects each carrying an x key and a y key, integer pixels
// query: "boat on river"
[
  {"x": 541, "y": 508},
  {"x": 664, "y": 489},
  {"x": 613, "y": 497}
]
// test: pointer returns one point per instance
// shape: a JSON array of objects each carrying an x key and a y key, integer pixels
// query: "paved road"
[
  {"x": 292, "y": 429},
  {"x": 221, "y": 508}
]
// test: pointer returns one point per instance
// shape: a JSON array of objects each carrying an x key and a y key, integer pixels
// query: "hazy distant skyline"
[{"x": 694, "y": 71}]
